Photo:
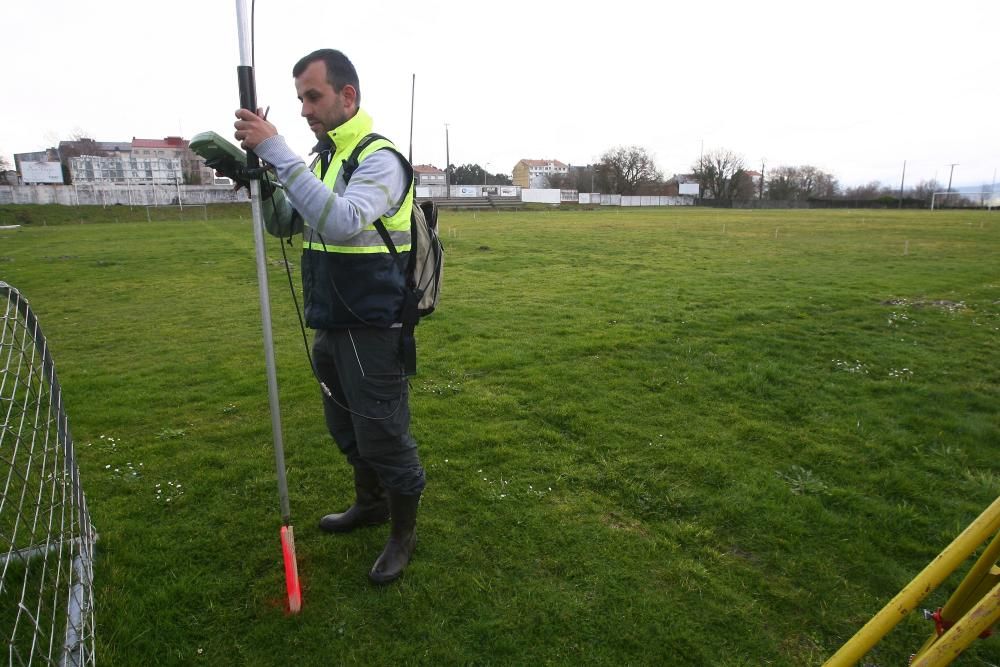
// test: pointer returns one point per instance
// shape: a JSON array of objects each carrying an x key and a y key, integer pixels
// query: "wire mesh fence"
[{"x": 46, "y": 538}]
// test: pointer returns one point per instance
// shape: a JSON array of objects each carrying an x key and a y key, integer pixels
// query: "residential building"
[
  {"x": 136, "y": 161},
  {"x": 427, "y": 174},
  {"x": 535, "y": 173},
  {"x": 193, "y": 166},
  {"x": 85, "y": 146},
  {"x": 91, "y": 169}
]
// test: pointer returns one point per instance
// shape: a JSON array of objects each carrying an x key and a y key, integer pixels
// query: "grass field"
[{"x": 664, "y": 437}]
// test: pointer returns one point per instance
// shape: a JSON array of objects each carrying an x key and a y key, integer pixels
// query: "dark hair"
[{"x": 339, "y": 70}]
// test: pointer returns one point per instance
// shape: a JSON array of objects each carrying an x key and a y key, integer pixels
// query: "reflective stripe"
[
  {"x": 348, "y": 250},
  {"x": 365, "y": 241},
  {"x": 400, "y": 220},
  {"x": 368, "y": 238},
  {"x": 368, "y": 241}
]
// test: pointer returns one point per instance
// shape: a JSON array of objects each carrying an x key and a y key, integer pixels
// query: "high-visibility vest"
[{"x": 355, "y": 282}]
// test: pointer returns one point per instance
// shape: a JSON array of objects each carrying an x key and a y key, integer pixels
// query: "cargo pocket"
[{"x": 383, "y": 402}]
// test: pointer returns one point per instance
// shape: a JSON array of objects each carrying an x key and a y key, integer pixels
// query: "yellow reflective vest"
[{"x": 356, "y": 282}]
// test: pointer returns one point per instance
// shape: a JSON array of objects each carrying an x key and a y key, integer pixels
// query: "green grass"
[{"x": 665, "y": 436}]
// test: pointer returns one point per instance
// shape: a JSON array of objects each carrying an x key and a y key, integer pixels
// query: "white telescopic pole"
[{"x": 248, "y": 100}]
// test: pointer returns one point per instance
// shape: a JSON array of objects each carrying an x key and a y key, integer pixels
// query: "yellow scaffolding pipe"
[
  {"x": 922, "y": 585},
  {"x": 980, "y": 618},
  {"x": 980, "y": 579}
]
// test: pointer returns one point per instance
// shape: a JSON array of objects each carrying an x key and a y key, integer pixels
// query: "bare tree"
[
  {"x": 800, "y": 183},
  {"x": 582, "y": 179},
  {"x": 4, "y": 168},
  {"x": 925, "y": 189},
  {"x": 559, "y": 181},
  {"x": 720, "y": 173},
  {"x": 870, "y": 190},
  {"x": 815, "y": 183},
  {"x": 623, "y": 169},
  {"x": 80, "y": 144}
]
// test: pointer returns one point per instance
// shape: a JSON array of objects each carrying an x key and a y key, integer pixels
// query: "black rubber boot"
[
  {"x": 402, "y": 539},
  {"x": 370, "y": 506}
]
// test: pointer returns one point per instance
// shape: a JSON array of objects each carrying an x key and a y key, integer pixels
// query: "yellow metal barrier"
[{"x": 974, "y": 598}]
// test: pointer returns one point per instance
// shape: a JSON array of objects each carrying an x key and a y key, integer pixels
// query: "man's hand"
[{"x": 252, "y": 129}]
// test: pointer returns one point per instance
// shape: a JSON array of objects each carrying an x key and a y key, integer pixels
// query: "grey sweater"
[{"x": 376, "y": 189}]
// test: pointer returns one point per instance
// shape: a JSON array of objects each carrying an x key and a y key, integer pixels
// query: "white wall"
[
  {"x": 109, "y": 195},
  {"x": 654, "y": 200},
  {"x": 541, "y": 196}
]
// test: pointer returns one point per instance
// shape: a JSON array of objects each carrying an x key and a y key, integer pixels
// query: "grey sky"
[{"x": 851, "y": 87}]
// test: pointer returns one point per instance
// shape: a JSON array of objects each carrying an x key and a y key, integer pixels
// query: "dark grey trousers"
[{"x": 369, "y": 415}]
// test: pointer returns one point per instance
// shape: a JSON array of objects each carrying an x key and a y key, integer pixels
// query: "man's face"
[{"x": 322, "y": 107}]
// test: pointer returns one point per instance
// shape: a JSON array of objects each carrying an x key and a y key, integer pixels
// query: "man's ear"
[{"x": 350, "y": 95}]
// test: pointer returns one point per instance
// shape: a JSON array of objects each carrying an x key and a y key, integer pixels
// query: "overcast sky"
[{"x": 852, "y": 87}]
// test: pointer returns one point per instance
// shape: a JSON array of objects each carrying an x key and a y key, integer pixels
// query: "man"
[{"x": 353, "y": 292}]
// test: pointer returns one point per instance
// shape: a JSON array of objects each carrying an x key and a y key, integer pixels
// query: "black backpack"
[{"x": 424, "y": 269}]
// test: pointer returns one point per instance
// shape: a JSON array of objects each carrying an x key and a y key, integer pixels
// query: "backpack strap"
[
  {"x": 351, "y": 164},
  {"x": 410, "y": 315}
]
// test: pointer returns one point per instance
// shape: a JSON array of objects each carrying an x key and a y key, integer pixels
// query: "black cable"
[{"x": 305, "y": 338}]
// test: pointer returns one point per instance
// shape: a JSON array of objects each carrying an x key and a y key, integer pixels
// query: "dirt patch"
[
  {"x": 615, "y": 521},
  {"x": 943, "y": 304}
]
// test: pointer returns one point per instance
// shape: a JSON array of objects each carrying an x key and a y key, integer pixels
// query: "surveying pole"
[
  {"x": 248, "y": 100},
  {"x": 413, "y": 94}
]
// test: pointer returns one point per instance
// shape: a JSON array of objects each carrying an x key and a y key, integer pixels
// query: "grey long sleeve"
[{"x": 376, "y": 189}]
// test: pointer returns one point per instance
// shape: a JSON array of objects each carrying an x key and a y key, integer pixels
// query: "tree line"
[{"x": 723, "y": 175}]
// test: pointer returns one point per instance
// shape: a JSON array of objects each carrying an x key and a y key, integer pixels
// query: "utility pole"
[
  {"x": 950, "y": 174},
  {"x": 447, "y": 160},
  {"x": 901, "y": 182},
  {"x": 993, "y": 189},
  {"x": 761, "y": 196},
  {"x": 413, "y": 93}
]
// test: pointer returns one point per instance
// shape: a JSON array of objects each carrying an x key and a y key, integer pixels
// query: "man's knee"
[{"x": 400, "y": 474}]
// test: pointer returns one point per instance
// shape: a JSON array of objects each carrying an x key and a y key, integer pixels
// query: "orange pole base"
[{"x": 291, "y": 570}]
